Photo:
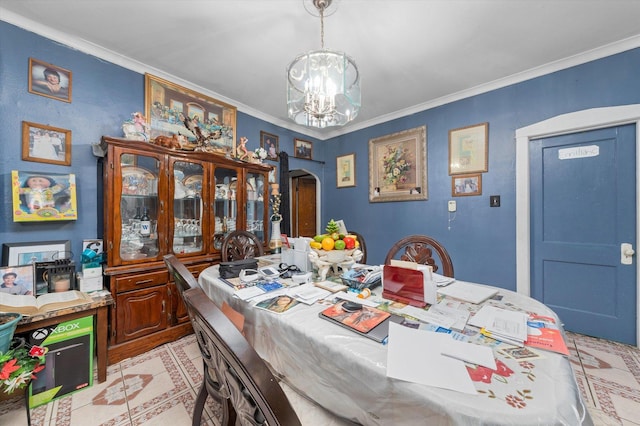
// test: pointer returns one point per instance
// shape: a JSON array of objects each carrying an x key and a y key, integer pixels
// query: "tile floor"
[{"x": 159, "y": 388}]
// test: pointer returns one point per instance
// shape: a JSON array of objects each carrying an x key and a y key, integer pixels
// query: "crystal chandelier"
[{"x": 323, "y": 86}]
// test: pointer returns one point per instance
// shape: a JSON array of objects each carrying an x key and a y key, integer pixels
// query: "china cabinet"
[{"x": 159, "y": 201}]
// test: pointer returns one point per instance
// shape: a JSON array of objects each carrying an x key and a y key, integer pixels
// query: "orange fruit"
[{"x": 328, "y": 243}]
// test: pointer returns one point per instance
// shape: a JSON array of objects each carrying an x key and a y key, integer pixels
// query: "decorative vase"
[
  {"x": 275, "y": 243},
  {"x": 8, "y": 324}
]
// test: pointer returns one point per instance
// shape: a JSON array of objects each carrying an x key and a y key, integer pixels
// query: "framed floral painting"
[{"x": 398, "y": 166}]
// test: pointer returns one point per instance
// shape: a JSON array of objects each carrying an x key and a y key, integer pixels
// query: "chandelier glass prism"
[{"x": 323, "y": 86}]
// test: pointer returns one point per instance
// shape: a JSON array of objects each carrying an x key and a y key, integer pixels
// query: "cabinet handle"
[
  {"x": 144, "y": 282},
  {"x": 164, "y": 302}
]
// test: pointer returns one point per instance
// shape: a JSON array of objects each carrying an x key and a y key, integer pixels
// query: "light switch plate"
[{"x": 452, "y": 206}]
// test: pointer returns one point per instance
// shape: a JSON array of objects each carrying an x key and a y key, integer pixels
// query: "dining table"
[{"x": 346, "y": 373}]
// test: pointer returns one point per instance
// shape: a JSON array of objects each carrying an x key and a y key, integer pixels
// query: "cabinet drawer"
[{"x": 134, "y": 282}]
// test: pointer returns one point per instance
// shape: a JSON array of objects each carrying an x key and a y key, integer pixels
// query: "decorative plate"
[
  {"x": 193, "y": 182},
  {"x": 138, "y": 181}
]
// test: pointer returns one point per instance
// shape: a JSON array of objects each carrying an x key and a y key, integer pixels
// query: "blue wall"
[{"x": 481, "y": 240}]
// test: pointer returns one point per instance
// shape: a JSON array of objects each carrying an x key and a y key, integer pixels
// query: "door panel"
[{"x": 582, "y": 208}]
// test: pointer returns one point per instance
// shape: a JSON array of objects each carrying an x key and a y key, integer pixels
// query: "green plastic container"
[{"x": 7, "y": 329}]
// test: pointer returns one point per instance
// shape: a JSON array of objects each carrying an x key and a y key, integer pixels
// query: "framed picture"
[
  {"x": 46, "y": 144},
  {"x": 302, "y": 149},
  {"x": 270, "y": 143},
  {"x": 346, "y": 170},
  {"x": 469, "y": 149},
  {"x": 17, "y": 279},
  {"x": 41, "y": 197},
  {"x": 465, "y": 185},
  {"x": 41, "y": 251},
  {"x": 174, "y": 110},
  {"x": 49, "y": 80},
  {"x": 398, "y": 166}
]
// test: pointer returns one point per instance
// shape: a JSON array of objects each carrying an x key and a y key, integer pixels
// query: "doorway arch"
[
  {"x": 590, "y": 119},
  {"x": 294, "y": 177}
]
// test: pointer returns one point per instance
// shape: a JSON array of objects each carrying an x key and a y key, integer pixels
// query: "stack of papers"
[
  {"x": 468, "y": 292},
  {"x": 502, "y": 324},
  {"x": 441, "y": 280},
  {"x": 309, "y": 294}
]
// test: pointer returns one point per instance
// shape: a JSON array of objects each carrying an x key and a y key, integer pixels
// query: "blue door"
[{"x": 583, "y": 209}]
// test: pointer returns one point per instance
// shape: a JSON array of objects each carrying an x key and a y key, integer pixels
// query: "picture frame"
[
  {"x": 302, "y": 149},
  {"x": 38, "y": 251},
  {"x": 46, "y": 144},
  {"x": 346, "y": 170},
  {"x": 466, "y": 185},
  {"x": 39, "y": 197},
  {"x": 469, "y": 149},
  {"x": 49, "y": 80},
  {"x": 23, "y": 278},
  {"x": 168, "y": 105},
  {"x": 398, "y": 166},
  {"x": 270, "y": 144}
]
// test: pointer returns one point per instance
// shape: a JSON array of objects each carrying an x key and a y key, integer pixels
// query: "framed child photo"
[
  {"x": 46, "y": 144},
  {"x": 49, "y": 80},
  {"x": 303, "y": 149},
  {"x": 17, "y": 280},
  {"x": 270, "y": 144}
]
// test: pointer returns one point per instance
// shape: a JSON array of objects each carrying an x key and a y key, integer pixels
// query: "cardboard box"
[{"x": 68, "y": 362}]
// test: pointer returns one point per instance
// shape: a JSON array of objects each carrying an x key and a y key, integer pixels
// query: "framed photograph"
[
  {"x": 346, "y": 170},
  {"x": 46, "y": 144},
  {"x": 398, "y": 166},
  {"x": 17, "y": 279},
  {"x": 49, "y": 80},
  {"x": 465, "y": 185},
  {"x": 40, "y": 251},
  {"x": 302, "y": 149},
  {"x": 270, "y": 143},
  {"x": 41, "y": 197},
  {"x": 469, "y": 149},
  {"x": 174, "y": 110}
]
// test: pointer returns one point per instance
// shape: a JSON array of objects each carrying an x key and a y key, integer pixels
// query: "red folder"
[{"x": 403, "y": 285}]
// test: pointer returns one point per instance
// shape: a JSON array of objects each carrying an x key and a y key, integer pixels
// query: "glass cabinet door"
[
  {"x": 188, "y": 209},
  {"x": 139, "y": 207},
  {"x": 255, "y": 205},
  {"x": 225, "y": 207}
]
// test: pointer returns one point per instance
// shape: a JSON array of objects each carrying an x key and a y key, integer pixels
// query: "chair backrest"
[
  {"x": 254, "y": 392},
  {"x": 241, "y": 245},
  {"x": 420, "y": 249},
  {"x": 183, "y": 278},
  {"x": 363, "y": 246}
]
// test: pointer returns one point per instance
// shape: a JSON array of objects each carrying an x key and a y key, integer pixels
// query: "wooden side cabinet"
[{"x": 159, "y": 201}]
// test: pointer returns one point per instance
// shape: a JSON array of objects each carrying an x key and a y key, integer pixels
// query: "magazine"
[
  {"x": 543, "y": 333},
  {"x": 278, "y": 304},
  {"x": 362, "y": 320}
]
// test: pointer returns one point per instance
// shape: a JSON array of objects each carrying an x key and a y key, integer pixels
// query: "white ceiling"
[{"x": 412, "y": 54}]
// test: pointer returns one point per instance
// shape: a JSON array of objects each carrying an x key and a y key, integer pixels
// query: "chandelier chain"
[{"x": 322, "y": 27}]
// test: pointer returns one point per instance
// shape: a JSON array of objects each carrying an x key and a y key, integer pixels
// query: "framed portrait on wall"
[
  {"x": 465, "y": 185},
  {"x": 39, "y": 197},
  {"x": 49, "y": 80},
  {"x": 346, "y": 170},
  {"x": 469, "y": 149},
  {"x": 302, "y": 149},
  {"x": 46, "y": 144},
  {"x": 270, "y": 144},
  {"x": 398, "y": 166},
  {"x": 33, "y": 252},
  {"x": 174, "y": 109}
]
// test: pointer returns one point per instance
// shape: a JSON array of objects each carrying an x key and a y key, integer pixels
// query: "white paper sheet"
[
  {"x": 470, "y": 352},
  {"x": 415, "y": 356}
]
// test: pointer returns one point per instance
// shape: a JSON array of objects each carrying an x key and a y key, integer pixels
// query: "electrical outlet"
[
  {"x": 494, "y": 201},
  {"x": 452, "y": 206}
]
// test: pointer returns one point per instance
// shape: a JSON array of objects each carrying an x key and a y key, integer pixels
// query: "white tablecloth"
[{"x": 346, "y": 373}]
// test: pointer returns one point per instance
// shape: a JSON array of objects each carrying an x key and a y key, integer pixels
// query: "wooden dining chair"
[
  {"x": 254, "y": 394},
  {"x": 420, "y": 249},
  {"x": 363, "y": 245},
  {"x": 241, "y": 245},
  {"x": 183, "y": 278}
]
